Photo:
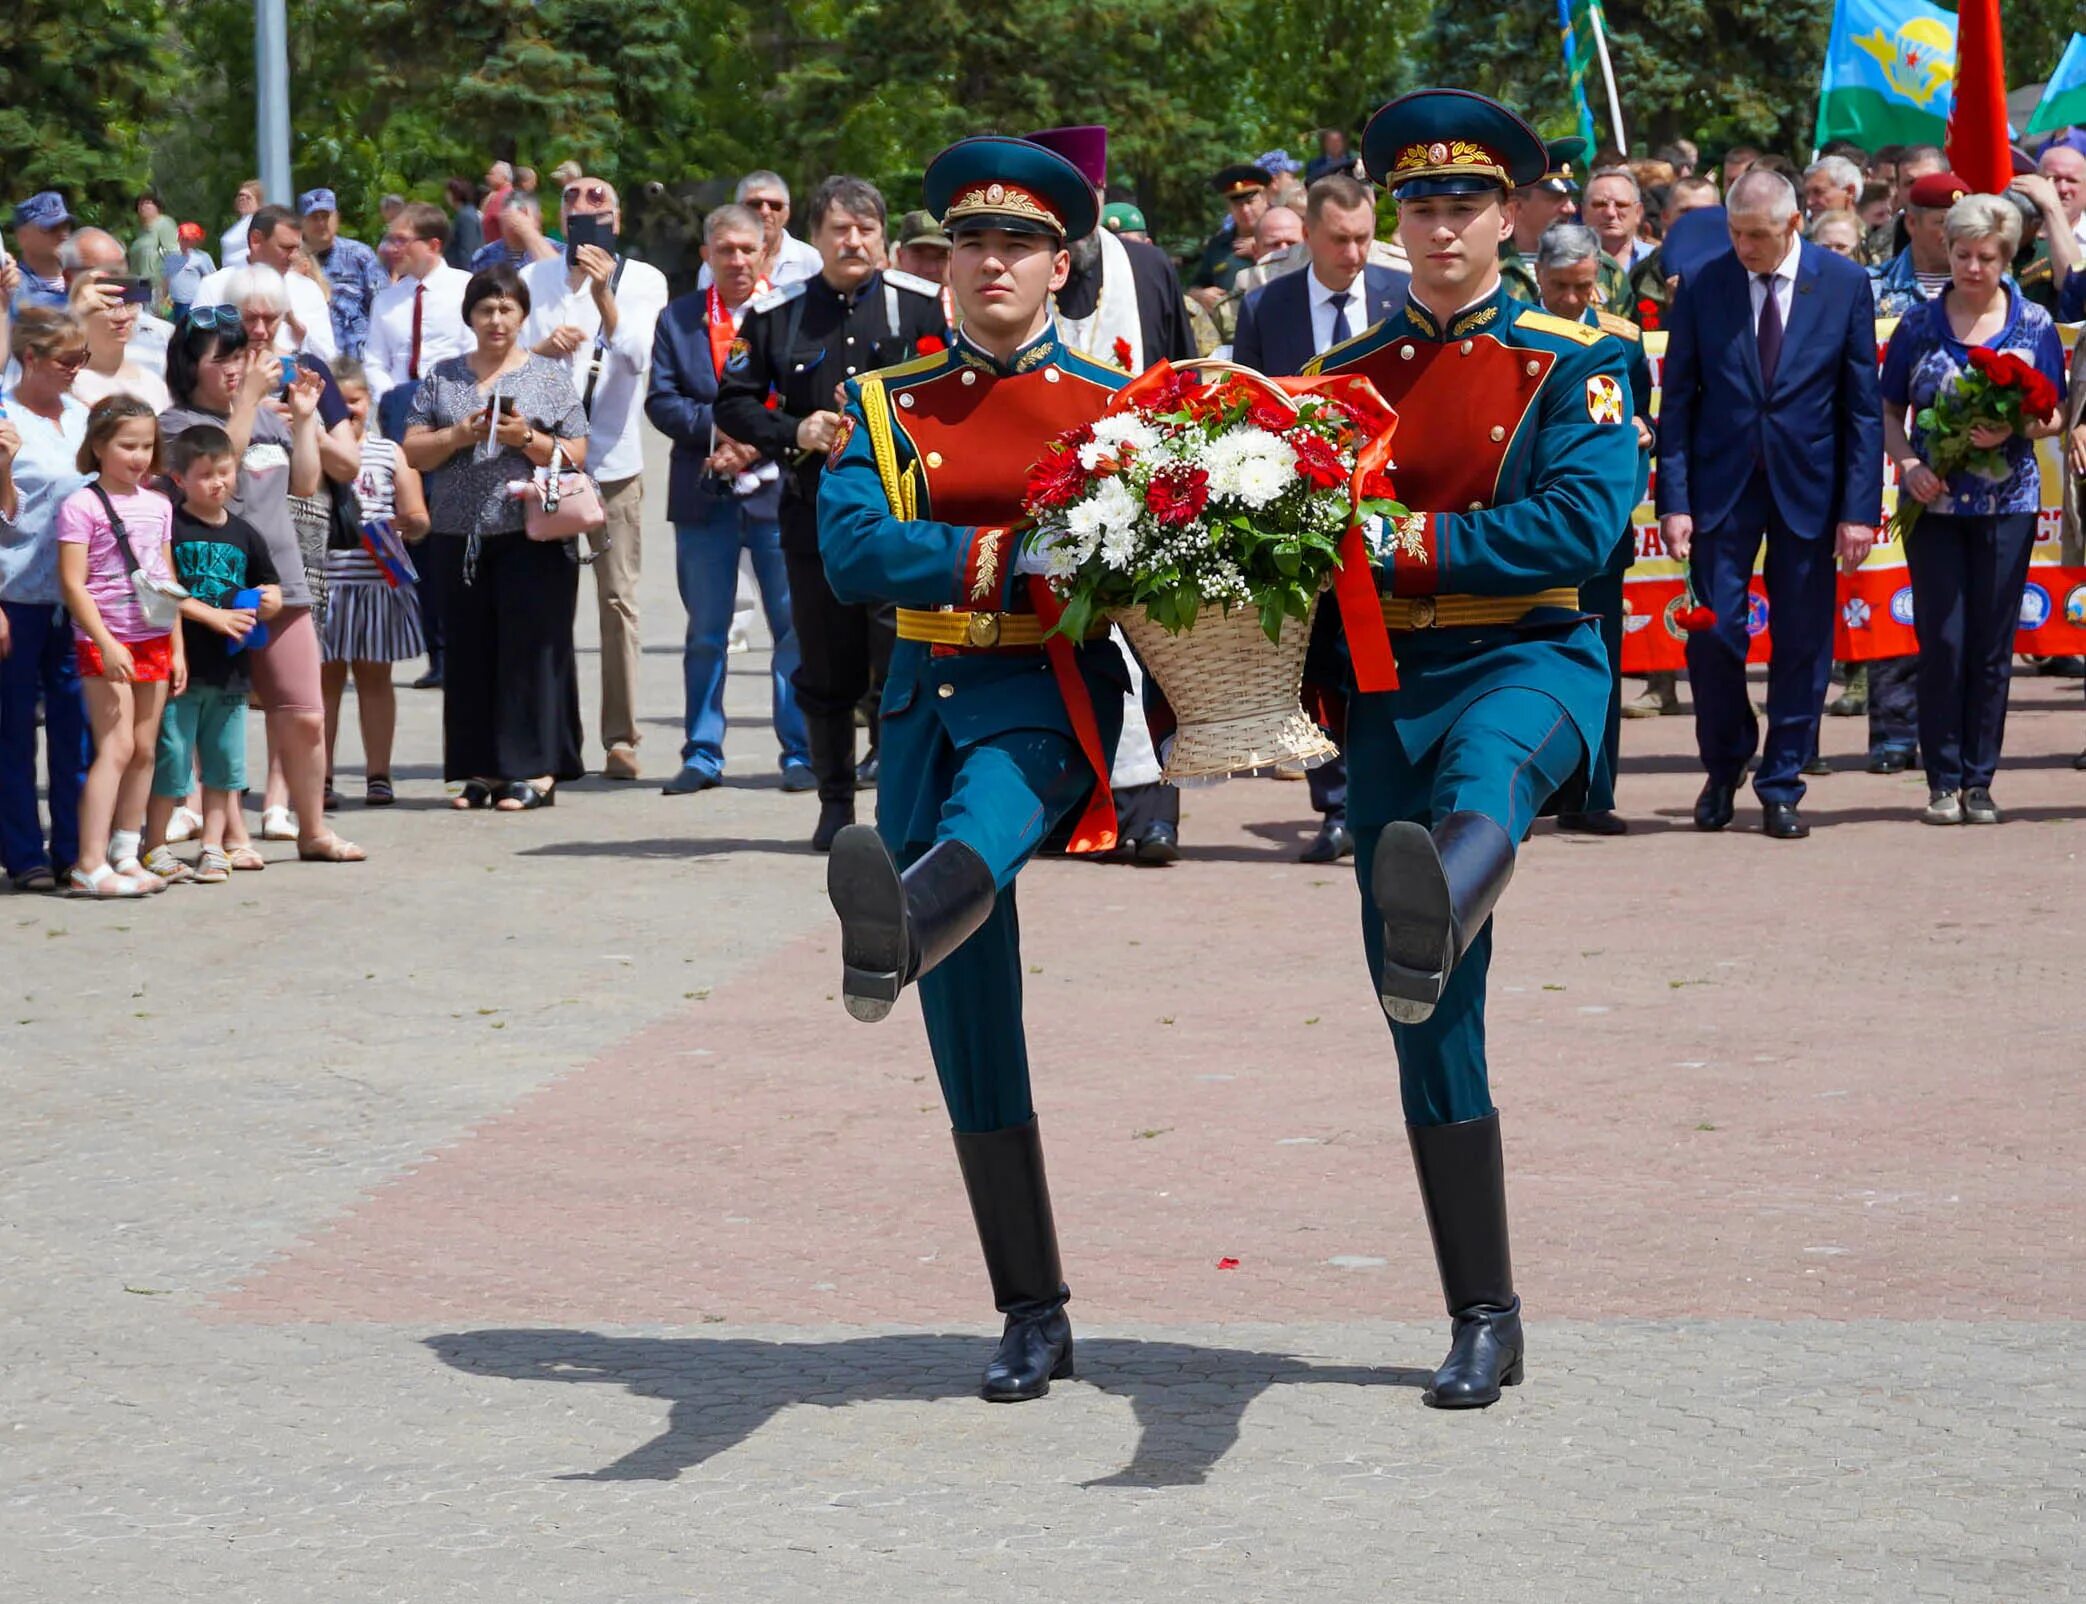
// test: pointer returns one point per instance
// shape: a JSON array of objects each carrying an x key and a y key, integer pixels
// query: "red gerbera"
[
  {"x": 1317, "y": 462},
  {"x": 1056, "y": 481},
  {"x": 1265, "y": 412},
  {"x": 928, "y": 344},
  {"x": 1176, "y": 496}
]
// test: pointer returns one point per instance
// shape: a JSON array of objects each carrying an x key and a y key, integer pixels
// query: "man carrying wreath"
[
  {"x": 1515, "y": 451},
  {"x": 991, "y": 739}
]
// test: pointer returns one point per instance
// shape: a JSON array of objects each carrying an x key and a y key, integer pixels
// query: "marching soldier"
[
  {"x": 991, "y": 740},
  {"x": 1517, "y": 462},
  {"x": 799, "y": 344}
]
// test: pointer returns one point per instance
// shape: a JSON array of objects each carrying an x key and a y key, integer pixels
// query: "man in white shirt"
[
  {"x": 787, "y": 259},
  {"x": 596, "y": 311},
  {"x": 417, "y": 319},
  {"x": 275, "y": 238},
  {"x": 245, "y": 203}
]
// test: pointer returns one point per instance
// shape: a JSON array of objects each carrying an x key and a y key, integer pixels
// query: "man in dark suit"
[
  {"x": 1282, "y": 325},
  {"x": 1771, "y": 426}
]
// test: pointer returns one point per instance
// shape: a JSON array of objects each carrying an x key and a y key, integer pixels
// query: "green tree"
[{"x": 79, "y": 81}]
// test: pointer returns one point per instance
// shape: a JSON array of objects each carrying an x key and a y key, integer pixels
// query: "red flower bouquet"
[{"x": 1998, "y": 388}]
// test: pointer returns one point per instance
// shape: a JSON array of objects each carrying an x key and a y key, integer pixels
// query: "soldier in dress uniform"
[
  {"x": 1567, "y": 261},
  {"x": 1554, "y": 198},
  {"x": 798, "y": 345},
  {"x": 991, "y": 740},
  {"x": 1245, "y": 191},
  {"x": 1516, "y": 457}
]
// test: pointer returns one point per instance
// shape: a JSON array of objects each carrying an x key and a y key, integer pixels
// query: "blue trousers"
[
  {"x": 706, "y": 566},
  {"x": 1004, "y": 797},
  {"x": 1894, "y": 700},
  {"x": 41, "y": 664},
  {"x": 1602, "y": 596},
  {"x": 1503, "y": 758},
  {"x": 1967, "y": 579},
  {"x": 1799, "y": 574}
]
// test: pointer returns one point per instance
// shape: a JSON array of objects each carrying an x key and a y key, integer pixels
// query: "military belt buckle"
[
  {"x": 983, "y": 630},
  {"x": 1422, "y": 614}
]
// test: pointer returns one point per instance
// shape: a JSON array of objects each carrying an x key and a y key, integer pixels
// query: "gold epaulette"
[
  {"x": 1621, "y": 327},
  {"x": 883, "y": 445},
  {"x": 1563, "y": 327}
]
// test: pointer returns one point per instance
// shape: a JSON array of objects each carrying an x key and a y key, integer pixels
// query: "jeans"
[
  {"x": 41, "y": 662},
  {"x": 706, "y": 566}
]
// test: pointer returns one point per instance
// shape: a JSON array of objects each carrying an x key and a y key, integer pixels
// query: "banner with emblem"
[
  {"x": 1875, "y": 601},
  {"x": 1890, "y": 74}
]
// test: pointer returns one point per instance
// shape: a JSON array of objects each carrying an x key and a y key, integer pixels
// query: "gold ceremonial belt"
[
  {"x": 982, "y": 631},
  {"x": 1467, "y": 612}
]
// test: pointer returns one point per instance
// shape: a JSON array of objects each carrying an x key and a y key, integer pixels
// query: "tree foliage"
[{"x": 99, "y": 96}]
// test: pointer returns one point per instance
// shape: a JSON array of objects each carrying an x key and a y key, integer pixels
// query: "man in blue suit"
[
  {"x": 1282, "y": 325},
  {"x": 1771, "y": 427}
]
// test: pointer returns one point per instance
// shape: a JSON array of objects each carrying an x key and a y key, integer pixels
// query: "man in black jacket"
[{"x": 799, "y": 344}]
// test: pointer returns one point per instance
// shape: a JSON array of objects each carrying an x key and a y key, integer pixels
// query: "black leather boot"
[
  {"x": 1435, "y": 889},
  {"x": 1463, "y": 1184},
  {"x": 893, "y": 927},
  {"x": 1010, "y": 1200},
  {"x": 832, "y": 743}
]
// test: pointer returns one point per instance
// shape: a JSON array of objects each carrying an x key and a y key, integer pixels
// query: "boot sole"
[
  {"x": 863, "y": 884},
  {"x": 1412, "y": 895}
]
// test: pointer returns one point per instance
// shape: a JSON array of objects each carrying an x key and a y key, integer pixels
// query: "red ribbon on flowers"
[
  {"x": 1354, "y": 581},
  {"x": 1096, "y": 829}
]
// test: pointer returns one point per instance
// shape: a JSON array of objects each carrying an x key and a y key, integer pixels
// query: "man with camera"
[{"x": 595, "y": 310}]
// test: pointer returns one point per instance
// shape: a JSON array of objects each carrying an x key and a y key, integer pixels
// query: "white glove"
[{"x": 1034, "y": 556}]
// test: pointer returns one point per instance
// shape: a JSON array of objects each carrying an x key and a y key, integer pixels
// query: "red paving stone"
[{"x": 1839, "y": 1078}]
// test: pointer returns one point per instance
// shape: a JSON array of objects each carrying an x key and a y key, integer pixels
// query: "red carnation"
[
  {"x": 1124, "y": 358},
  {"x": 928, "y": 344},
  {"x": 1176, "y": 496},
  {"x": 1073, "y": 439},
  {"x": 1056, "y": 481},
  {"x": 1317, "y": 461},
  {"x": 1648, "y": 315},
  {"x": 2039, "y": 396},
  {"x": 1985, "y": 361},
  {"x": 1694, "y": 620},
  {"x": 1376, "y": 486}
]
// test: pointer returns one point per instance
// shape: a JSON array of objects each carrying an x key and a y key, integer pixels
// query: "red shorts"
[{"x": 151, "y": 659}]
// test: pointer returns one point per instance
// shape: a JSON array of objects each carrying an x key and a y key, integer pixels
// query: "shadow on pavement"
[
  {"x": 673, "y": 846},
  {"x": 1188, "y": 1400}
]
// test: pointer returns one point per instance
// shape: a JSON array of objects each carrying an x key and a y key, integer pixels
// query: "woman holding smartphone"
[{"x": 510, "y": 691}]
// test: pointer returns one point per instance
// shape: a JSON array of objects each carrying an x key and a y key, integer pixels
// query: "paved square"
[{"x": 313, "y": 1185}]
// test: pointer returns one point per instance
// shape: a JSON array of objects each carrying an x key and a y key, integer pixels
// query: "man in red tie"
[{"x": 416, "y": 321}]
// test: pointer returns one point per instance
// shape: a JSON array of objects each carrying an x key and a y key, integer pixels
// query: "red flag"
[{"x": 1977, "y": 143}]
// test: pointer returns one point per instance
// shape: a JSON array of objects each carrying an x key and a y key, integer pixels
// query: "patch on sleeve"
[
  {"x": 843, "y": 432},
  {"x": 1604, "y": 399},
  {"x": 737, "y": 356}
]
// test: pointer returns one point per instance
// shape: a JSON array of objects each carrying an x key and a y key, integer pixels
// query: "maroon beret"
[{"x": 1937, "y": 190}]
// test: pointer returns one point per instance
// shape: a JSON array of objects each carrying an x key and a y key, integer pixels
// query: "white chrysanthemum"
[
  {"x": 1119, "y": 549},
  {"x": 1112, "y": 434},
  {"x": 1114, "y": 505},
  {"x": 1249, "y": 465}
]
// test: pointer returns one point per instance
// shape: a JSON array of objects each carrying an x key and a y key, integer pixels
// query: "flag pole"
[{"x": 1600, "y": 45}]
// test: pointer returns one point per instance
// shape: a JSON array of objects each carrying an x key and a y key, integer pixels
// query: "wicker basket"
[{"x": 1233, "y": 690}]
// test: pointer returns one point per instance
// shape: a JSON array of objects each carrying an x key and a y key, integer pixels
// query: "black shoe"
[
  {"x": 1010, "y": 1200},
  {"x": 2067, "y": 667},
  {"x": 1888, "y": 759},
  {"x": 1716, "y": 806},
  {"x": 2079, "y": 762},
  {"x": 893, "y": 927},
  {"x": 690, "y": 781},
  {"x": 833, "y": 817},
  {"x": 1463, "y": 1186},
  {"x": 430, "y": 681},
  {"x": 1816, "y": 765},
  {"x": 1160, "y": 844},
  {"x": 1784, "y": 823},
  {"x": 1434, "y": 890},
  {"x": 866, "y": 770},
  {"x": 1333, "y": 842},
  {"x": 1602, "y": 821}
]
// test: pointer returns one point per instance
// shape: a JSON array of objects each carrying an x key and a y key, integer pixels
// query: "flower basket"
[
  {"x": 1232, "y": 689},
  {"x": 1207, "y": 519}
]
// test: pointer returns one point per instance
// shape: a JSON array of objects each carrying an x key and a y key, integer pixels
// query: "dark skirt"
[{"x": 510, "y": 685}]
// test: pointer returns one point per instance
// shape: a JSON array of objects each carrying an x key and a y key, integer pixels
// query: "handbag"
[
  {"x": 561, "y": 505},
  {"x": 159, "y": 600}
]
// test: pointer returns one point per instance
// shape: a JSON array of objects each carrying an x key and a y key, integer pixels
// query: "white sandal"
[
  {"x": 278, "y": 824},
  {"x": 185, "y": 825},
  {"x": 141, "y": 877},
  {"x": 161, "y": 862},
  {"x": 213, "y": 868},
  {"x": 100, "y": 883}
]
